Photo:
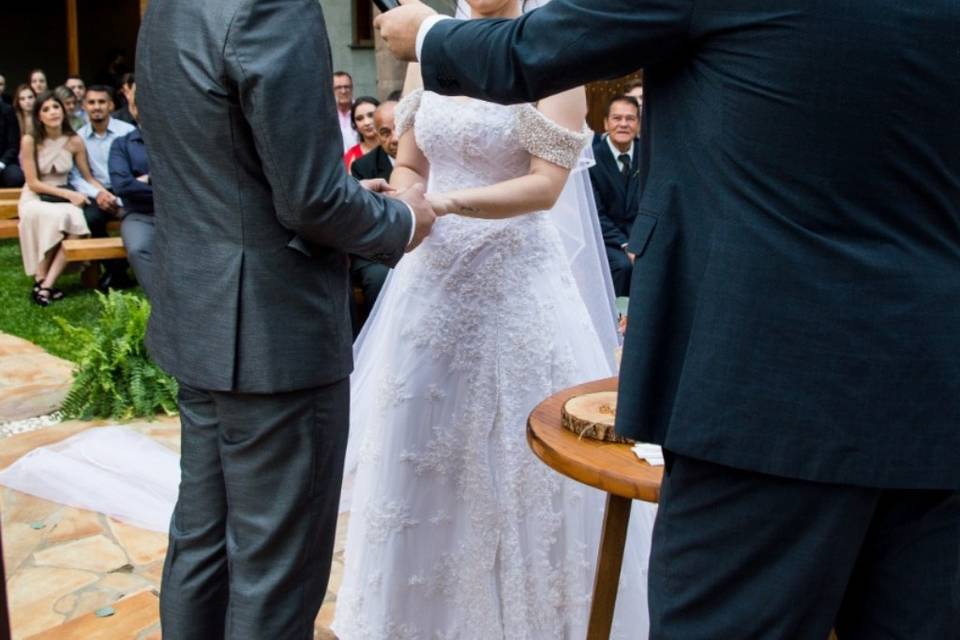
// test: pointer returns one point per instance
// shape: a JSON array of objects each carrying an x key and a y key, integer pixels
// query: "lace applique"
[
  {"x": 405, "y": 113},
  {"x": 546, "y": 139}
]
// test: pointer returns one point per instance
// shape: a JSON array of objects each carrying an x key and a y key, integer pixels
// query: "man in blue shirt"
[
  {"x": 130, "y": 180},
  {"x": 98, "y": 135}
]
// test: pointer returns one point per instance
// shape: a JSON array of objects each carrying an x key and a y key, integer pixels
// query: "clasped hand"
[{"x": 399, "y": 28}]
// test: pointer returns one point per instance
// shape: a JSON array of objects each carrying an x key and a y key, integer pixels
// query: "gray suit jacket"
[{"x": 254, "y": 209}]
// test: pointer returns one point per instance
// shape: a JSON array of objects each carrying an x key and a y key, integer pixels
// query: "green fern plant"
[{"x": 115, "y": 377}]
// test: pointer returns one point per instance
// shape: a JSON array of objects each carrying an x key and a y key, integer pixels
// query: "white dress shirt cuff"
[
  {"x": 413, "y": 224},
  {"x": 425, "y": 26}
]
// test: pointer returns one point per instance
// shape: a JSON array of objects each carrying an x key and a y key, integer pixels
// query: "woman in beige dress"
[{"x": 49, "y": 210}]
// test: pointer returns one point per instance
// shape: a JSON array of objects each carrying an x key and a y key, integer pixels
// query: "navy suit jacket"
[
  {"x": 617, "y": 199},
  {"x": 795, "y": 306},
  {"x": 127, "y": 162}
]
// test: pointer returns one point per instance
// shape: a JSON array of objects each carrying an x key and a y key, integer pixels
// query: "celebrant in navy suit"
[{"x": 794, "y": 335}]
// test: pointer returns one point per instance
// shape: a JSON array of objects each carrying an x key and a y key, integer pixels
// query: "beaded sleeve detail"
[
  {"x": 406, "y": 111},
  {"x": 546, "y": 139}
]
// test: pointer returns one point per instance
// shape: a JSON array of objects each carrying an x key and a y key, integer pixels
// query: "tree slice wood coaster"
[{"x": 592, "y": 416}]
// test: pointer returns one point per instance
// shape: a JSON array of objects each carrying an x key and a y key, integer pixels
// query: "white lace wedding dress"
[{"x": 456, "y": 530}]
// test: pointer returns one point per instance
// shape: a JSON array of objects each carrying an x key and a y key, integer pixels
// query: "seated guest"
[
  {"x": 38, "y": 81},
  {"x": 379, "y": 163},
  {"x": 365, "y": 274},
  {"x": 361, "y": 119},
  {"x": 24, "y": 99},
  {"x": 79, "y": 87},
  {"x": 49, "y": 211},
  {"x": 97, "y": 136},
  {"x": 10, "y": 173},
  {"x": 130, "y": 179},
  {"x": 127, "y": 87},
  {"x": 4, "y": 98},
  {"x": 69, "y": 100},
  {"x": 616, "y": 185}
]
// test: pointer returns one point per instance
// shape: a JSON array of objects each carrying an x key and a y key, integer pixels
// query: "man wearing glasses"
[{"x": 343, "y": 93}]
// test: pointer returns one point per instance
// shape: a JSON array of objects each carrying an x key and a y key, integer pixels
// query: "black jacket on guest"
[
  {"x": 9, "y": 136},
  {"x": 375, "y": 164},
  {"x": 618, "y": 199}
]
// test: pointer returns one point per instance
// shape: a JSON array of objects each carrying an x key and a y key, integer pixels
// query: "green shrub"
[{"x": 115, "y": 377}]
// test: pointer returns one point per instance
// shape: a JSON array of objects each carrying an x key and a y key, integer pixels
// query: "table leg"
[{"x": 609, "y": 561}]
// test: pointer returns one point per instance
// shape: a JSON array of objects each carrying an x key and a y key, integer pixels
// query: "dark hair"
[
  {"x": 74, "y": 76},
  {"x": 342, "y": 73},
  {"x": 101, "y": 88},
  {"x": 395, "y": 96},
  {"x": 40, "y": 131},
  {"x": 622, "y": 97},
  {"x": 633, "y": 84},
  {"x": 353, "y": 109},
  {"x": 128, "y": 79},
  {"x": 33, "y": 71}
]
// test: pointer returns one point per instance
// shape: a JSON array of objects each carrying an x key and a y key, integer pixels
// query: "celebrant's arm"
[{"x": 540, "y": 188}]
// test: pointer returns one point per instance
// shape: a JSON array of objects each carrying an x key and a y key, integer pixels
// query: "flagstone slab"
[
  {"x": 32, "y": 382},
  {"x": 132, "y": 616},
  {"x": 45, "y": 584},
  {"x": 142, "y": 546},
  {"x": 123, "y": 584},
  {"x": 96, "y": 553},
  {"x": 20, "y": 540},
  {"x": 75, "y": 524}
]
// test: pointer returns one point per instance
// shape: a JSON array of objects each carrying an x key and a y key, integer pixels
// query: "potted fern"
[{"x": 115, "y": 377}]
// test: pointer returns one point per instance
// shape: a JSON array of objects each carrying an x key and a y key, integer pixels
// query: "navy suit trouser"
[
  {"x": 621, "y": 270},
  {"x": 738, "y": 554}
]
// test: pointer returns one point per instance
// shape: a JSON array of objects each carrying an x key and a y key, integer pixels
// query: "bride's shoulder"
[
  {"x": 555, "y": 128},
  {"x": 405, "y": 113}
]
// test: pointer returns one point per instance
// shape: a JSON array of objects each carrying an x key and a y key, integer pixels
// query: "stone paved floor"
[{"x": 63, "y": 563}]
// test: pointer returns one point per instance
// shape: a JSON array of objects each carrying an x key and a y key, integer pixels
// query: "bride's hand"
[{"x": 440, "y": 203}]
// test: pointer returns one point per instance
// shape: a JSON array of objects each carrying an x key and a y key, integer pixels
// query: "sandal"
[
  {"x": 41, "y": 296},
  {"x": 55, "y": 294}
]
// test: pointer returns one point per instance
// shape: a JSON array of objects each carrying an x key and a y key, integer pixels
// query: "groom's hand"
[
  {"x": 399, "y": 28},
  {"x": 423, "y": 214}
]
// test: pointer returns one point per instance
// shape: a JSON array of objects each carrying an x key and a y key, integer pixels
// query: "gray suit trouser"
[
  {"x": 137, "y": 232},
  {"x": 251, "y": 538}
]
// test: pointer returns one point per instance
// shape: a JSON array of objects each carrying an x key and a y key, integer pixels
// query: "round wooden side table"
[{"x": 610, "y": 467}]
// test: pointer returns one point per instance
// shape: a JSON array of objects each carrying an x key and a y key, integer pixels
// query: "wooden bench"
[
  {"x": 93, "y": 250},
  {"x": 8, "y": 229},
  {"x": 8, "y": 209},
  {"x": 10, "y": 194}
]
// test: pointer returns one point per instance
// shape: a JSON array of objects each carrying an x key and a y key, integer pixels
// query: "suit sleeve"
[
  {"x": 275, "y": 52},
  {"x": 135, "y": 194},
  {"x": 562, "y": 45},
  {"x": 612, "y": 236}
]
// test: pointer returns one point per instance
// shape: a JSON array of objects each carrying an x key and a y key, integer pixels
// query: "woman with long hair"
[
  {"x": 49, "y": 210},
  {"x": 23, "y": 101},
  {"x": 38, "y": 81},
  {"x": 361, "y": 119}
]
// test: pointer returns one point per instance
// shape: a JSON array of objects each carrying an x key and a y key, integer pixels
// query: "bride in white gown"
[{"x": 456, "y": 530}]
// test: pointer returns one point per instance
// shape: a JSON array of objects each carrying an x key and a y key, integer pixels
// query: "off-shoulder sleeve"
[
  {"x": 546, "y": 139},
  {"x": 405, "y": 115}
]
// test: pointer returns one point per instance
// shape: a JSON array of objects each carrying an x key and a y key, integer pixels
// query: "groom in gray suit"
[{"x": 254, "y": 215}]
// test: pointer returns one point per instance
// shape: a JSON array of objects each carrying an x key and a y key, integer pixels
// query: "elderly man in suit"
[
  {"x": 616, "y": 185},
  {"x": 794, "y": 335},
  {"x": 249, "y": 298},
  {"x": 367, "y": 274}
]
